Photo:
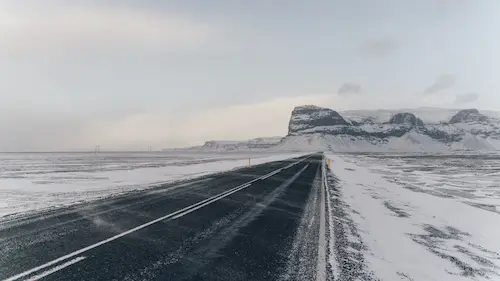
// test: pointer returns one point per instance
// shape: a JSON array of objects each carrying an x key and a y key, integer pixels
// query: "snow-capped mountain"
[
  {"x": 468, "y": 116},
  {"x": 313, "y": 128},
  {"x": 427, "y": 114},
  {"x": 316, "y": 128}
]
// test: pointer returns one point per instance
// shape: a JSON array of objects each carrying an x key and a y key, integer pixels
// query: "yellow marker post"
[{"x": 328, "y": 163}]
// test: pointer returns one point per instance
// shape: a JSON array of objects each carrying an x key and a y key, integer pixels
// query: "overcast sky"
[{"x": 133, "y": 74}]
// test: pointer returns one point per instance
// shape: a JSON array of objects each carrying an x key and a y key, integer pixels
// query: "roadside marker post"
[
  {"x": 328, "y": 163},
  {"x": 248, "y": 162}
]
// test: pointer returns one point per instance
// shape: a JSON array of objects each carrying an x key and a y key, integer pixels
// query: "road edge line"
[{"x": 321, "y": 266}]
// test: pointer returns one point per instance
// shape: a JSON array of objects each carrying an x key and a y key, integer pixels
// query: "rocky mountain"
[
  {"x": 427, "y": 114},
  {"x": 468, "y": 116},
  {"x": 313, "y": 128},
  {"x": 407, "y": 119},
  {"x": 317, "y": 128},
  {"x": 311, "y": 117}
]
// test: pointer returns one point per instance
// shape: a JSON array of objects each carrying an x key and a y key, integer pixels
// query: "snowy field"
[
  {"x": 415, "y": 217},
  {"x": 34, "y": 181}
]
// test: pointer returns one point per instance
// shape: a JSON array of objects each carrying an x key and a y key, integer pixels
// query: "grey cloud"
[
  {"x": 378, "y": 48},
  {"x": 448, "y": 5},
  {"x": 76, "y": 27},
  {"x": 349, "y": 88},
  {"x": 442, "y": 82},
  {"x": 466, "y": 98}
]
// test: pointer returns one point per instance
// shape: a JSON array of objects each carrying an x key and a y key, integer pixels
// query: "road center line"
[
  {"x": 176, "y": 214},
  {"x": 209, "y": 202},
  {"x": 55, "y": 269},
  {"x": 271, "y": 174}
]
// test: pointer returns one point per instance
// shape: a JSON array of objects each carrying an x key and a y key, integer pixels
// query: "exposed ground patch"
[
  {"x": 400, "y": 213},
  {"x": 434, "y": 241}
]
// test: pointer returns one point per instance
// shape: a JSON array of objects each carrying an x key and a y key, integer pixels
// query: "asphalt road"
[{"x": 257, "y": 223}]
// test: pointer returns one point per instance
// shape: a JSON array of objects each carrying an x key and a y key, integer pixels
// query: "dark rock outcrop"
[
  {"x": 468, "y": 116},
  {"x": 310, "y": 116},
  {"x": 406, "y": 118}
]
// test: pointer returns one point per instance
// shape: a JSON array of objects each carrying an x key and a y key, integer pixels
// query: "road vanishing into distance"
[{"x": 258, "y": 223}]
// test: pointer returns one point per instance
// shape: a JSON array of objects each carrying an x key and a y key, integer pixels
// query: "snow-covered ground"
[
  {"x": 30, "y": 182},
  {"x": 415, "y": 217}
]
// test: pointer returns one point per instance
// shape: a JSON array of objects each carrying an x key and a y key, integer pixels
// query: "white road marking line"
[
  {"x": 321, "y": 268},
  {"x": 55, "y": 269},
  {"x": 194, "y": 207},
  {"x": 334, "y": 265},
  {"x": 209, "y": 202},
  {"x": 16, "y": 277},
  {"x": 161, "y": 190},
  {"x": 271, "y": 174}
]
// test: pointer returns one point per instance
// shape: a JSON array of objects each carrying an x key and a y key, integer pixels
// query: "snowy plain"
[
  {"x": 416, "y": 216},
  {"x": 30, "y": 182}
]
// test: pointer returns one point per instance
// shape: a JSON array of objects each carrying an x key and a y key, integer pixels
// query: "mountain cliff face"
[
  {"x": 407, "y": 119},
  {"x": 468, "y": 116},
  {"x": 314, "y": 128},
  {"x": 313, "y": 117}
]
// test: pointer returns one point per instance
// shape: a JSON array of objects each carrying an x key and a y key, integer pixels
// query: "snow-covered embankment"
[{"x": 384, "y": 231}]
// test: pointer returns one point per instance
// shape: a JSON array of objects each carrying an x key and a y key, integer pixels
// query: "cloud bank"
[
  {"x": 349, "y": 89},
  {"x": 95, "y": 27},
  {"x": 378, "y": 48},
  {"x": 441, "y": 83},
  {"x": 466, "y": 98}
]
